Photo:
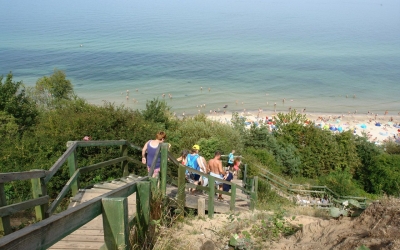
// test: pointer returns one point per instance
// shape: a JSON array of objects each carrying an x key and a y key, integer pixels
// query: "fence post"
[
  {"x": 211, "y": 196},
  {"x": 153, "y": 184},
  {"x": 181, "y": 188},
  {"x": 124, "y": 164},
  {"x": 143, "y": 195},
  {"x": 163, "y": 170},
  {"x": 72, "y": 164},
  {"x": 115, "y": 223},
  {"x": 245, "y": 174},
  {"x": 38, "y": 190},
  {"x": 253, "y": 194},
  {"x": 233, "y": 197},
  {"x": 5, "y": 225}
]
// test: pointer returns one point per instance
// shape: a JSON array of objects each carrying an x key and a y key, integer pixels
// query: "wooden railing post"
[
  {"x": 115, "y": 223},
  {"x": 143, "y": 195},
  {"x": 233, "y": 197},
  {"x": 244, "y": 181},
  {"x": 5, "y": 225},
  {"x": 153, "y": 184},
  {"x": 181, "y": 188},
  {"x": 72, "y": 164},
  {"x": 124, "y": 164},
  {"x": 211, "y": 196},
  {"x": 38, "y": 190},
  {"x": 253, "y": 194},
  {"x": 163, "y": 170}
]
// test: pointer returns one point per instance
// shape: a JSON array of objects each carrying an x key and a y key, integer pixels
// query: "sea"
[{"x": 330, "y": 56}]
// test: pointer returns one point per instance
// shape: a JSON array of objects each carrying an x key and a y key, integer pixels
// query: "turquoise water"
[{"x": 252, "y": 52}]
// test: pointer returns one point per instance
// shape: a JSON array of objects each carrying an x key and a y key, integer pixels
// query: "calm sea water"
[{"x": 313, "y": 53}]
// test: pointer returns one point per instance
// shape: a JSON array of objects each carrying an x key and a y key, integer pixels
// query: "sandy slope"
[{"x": 378, "y": 227}]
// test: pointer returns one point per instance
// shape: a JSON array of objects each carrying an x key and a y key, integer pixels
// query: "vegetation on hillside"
[{"x": 36, "y": 124}]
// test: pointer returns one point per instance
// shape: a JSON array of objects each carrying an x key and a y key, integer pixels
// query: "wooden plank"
[
  {"x": 20, "y": 176},
  {"x": 110, "y": 186},
  {"x": 5, "y": 220},
  {"x": 14, "y": 208},
  {"x": 53, "y": 170},
  {"x": 68, "y": 245},
  {"x": 199, "y": 187},
  {"x": 84, "y": 238},
  {"x": 102, "y": 164},
  {"x": 219, "y": 206},
  {"x": 115, "y": 223},
  {"x": 101, "y": 143}
]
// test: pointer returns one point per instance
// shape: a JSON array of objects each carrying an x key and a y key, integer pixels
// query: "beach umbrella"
[
  {"x": 326, "y": 127},
  {"x": 338, "y": 121},
  {"x": 340, "y": 129},
  {"x": 377, "y": 124},
  {"x": 363, "y": 126}
]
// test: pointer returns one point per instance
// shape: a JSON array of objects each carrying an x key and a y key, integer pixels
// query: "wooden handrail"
[
  {"x": 60, "y": 161},
  {"x": 102, "y": 164},
  {"x": 20, "y": 176},
  {"x": 49, "y": 231},
  {"x": 76, "y": 175},
  {"x": 291, "y": 185},
  {"x": 17, "y": 207}
]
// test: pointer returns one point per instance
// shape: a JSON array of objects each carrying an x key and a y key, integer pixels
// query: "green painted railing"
[
  {"x": 113, "y": 208},
  {"x": 211, "y": 190},
  {"x": 291, "y": 189},
  {"x": 53, "y": 228}
]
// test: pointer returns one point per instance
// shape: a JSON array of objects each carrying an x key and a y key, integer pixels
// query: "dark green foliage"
[
  {"x": 391, "y": 147},
  {"x": 382, "y": 175},
  {"x": 158, "y": 112},
  {"x": 264, "y": 158},
  {"x": 14, "y": 102},
  {"x": 340, "y": 181},
  {"x": 54, "y": 88}
]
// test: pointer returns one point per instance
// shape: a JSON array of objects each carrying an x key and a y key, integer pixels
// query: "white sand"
[{"x": 353, "y": 122}]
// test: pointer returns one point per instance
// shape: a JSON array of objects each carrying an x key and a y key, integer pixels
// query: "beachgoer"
[
  {"x": 204, "y": 169},
  {"x": 182, "y": 158},
  {"x": 231, "y": 158},
  {"x": 236, "y": 164},
  {"x": 228, "y": 177},
  {"x": 193, "y": 161},
  {"x": 216, "y": 170},
  {"x": 151, "y": 148},
  {"x": 86, "y": 138}
]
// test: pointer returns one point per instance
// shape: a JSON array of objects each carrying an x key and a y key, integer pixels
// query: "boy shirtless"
[{"x": 216, "y": 170}]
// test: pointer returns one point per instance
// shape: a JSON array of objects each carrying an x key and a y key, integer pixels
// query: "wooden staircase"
[{"x": 91, "y": 235}]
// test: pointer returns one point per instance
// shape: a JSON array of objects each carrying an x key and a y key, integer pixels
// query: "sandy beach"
[{"x": 376, "y": 127}]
